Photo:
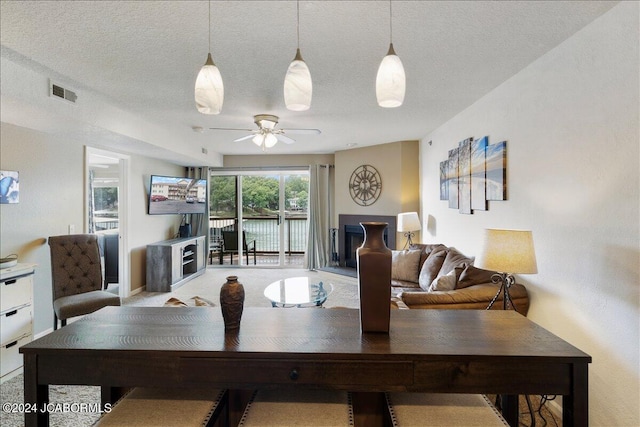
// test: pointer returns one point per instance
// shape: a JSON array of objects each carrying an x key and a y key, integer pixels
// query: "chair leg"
[
  {"x": 64, "y": 322},
  {"x": 55, "y": 321}
]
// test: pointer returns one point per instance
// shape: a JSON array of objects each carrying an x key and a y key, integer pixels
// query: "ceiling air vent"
[{"x": 62, "y": 93}]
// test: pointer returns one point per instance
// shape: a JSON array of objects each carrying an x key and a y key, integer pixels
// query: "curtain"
[
  {"x": 320, "y": 214},
  {"x": 199, "y": 222},
  {"x": 92, "y": 225}
]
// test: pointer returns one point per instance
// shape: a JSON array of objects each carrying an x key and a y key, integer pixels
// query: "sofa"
[{"x": 436, "y": 276}]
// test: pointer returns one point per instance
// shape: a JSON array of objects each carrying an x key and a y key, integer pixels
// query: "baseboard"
[
  {"x": 137, "y": 291},
  {"x": 43, "y": 333}
]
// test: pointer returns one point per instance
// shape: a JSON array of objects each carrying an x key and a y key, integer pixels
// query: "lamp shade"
[
  {"x": 270, "y": 140},
  {"x": 258, "y": 139},
  {"x": 408, "y": 221},
  {"x": 209, "y": 92},
  {"x": 298, "y": 87},
  {"x": 390, "y": 81},
  {"x": 508, "y": 251}
]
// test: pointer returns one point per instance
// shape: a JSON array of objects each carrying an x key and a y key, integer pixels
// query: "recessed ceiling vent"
[{"x": 62, "y": 93}]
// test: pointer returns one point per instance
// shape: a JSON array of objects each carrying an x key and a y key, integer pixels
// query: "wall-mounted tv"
[{"x": 169, "y": 195}]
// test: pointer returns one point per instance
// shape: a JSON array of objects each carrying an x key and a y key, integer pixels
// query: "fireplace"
[{"x": 351, "y": 235}]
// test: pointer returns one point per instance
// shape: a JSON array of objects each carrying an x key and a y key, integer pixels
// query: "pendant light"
[
  {"x": 297, "y": 82},
  {"x": 209, "y": 92},
  {"x": 391, "y": 80}
]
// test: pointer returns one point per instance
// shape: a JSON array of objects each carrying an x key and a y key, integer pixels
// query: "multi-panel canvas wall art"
[
  {"x": 478, "y": 174},
  {"x": 464, "y": 176},
  {"x": 9, "y": 187},
  {"x": 474, "y": 173},
  {"x": 497, "y": 171}
]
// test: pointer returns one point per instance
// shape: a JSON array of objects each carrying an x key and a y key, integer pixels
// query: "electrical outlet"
[{"x": 72, "y": 228}]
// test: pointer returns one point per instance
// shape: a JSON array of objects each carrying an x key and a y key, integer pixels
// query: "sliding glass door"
[{"x": 271, "y": 206}]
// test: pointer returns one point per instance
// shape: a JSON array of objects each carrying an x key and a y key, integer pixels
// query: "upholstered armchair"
[{"x": 76, "y": 277}]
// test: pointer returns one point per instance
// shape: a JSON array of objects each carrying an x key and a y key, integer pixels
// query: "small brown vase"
[
  {"x": 374, "y": 278},
  {"x": 232, "y": 303}
]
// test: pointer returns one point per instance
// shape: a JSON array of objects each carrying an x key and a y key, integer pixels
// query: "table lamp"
[
  {"x": 508, "y": 252},
  {"x": 408, "y": 222}
]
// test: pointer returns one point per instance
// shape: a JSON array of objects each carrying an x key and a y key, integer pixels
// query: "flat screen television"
[{"x": 170, "y": 195}]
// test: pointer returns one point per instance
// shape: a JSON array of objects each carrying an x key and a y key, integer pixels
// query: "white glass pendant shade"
[
  {"x": 298, "y": 87},
  {"x": 390, "y": 81},
  {"x": 270, "y": 140},
  {"x": 209, "y": 93},
  {"x": 258, "y": 139}
]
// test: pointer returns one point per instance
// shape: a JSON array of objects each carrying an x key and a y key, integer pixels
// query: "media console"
[{"x": 171, "y": 263}]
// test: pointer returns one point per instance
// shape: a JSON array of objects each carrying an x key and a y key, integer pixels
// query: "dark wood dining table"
[{"x": 437, "y": 351}]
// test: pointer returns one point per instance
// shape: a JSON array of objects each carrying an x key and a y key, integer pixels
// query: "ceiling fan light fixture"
[
  {"x": 390, "y": 81},
  {"x": 209, "y": 90},
  {"x": 298, "y": 88},
  {"x": 258, "y": 139},
  {"x": 270, "y": 140}
]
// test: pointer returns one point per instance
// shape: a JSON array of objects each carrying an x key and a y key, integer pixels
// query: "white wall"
[
  {"x": 52, "y": 197},
  {"x": 571, "y": 120}
]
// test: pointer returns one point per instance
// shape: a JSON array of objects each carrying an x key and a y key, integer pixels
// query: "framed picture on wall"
[
  {"x": 464, "y": 176},
  {"x": 9, "y": 187},
  {"x": 497, "y": 171},
  {"x": 444, "y": 180},
  {"x": 479, "y": 174},
  {"x": 453, "y": 178}
]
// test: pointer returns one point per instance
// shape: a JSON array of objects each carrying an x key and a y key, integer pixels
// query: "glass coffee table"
[{"x": 298, "y": 292}]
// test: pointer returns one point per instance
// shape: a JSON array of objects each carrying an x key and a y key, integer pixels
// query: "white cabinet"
[
  {"x": 172, "y": 262},
  {"x": 16, "y": 311}
]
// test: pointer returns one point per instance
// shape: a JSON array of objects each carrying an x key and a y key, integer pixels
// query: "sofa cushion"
[
  {"x": 427, "y": 249},
  {"x": 430, "y": 268},
  {"x": 454, "y": 259},
  {"x": 404, "y": 265},
  {"x": 474, "y": 276}
]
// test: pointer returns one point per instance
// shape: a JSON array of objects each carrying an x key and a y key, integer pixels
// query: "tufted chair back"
[{"x": 75, "y": 264}]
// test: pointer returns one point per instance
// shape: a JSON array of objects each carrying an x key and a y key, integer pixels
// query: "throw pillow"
[
  {"x": 444, "y": 283},
  {"x": 455, "y": 259},
  {"x": 404, "y": 265},
  {"x": 427, "y": 249},
  {"x": 474, "y": 276},
  {"x": 430, "y": 268}
]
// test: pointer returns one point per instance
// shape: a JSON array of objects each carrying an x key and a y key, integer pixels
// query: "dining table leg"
[
  {"x": 36, "y": 396},
  {"x": 575, "y": 406}
]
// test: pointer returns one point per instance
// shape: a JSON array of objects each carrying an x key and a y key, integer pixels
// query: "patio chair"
[
  {"x": 230, "y": 246},
  {"x": 76, "y": 277}
]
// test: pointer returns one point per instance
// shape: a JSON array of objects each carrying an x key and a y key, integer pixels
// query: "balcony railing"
[{"x": 264, "y": 230}]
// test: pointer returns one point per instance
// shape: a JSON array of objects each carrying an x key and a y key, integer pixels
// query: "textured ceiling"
[{"x": 143, "y": 56}]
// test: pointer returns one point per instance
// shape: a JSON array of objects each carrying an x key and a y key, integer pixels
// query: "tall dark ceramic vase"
[
  {"x": 232, "y": 303},
  {"x": 374, "y": 278}
]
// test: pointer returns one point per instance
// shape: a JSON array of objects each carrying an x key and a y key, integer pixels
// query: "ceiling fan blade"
[
  {"x": 243, "y": 130},
  {"x": 284, "y": 138},
  {"x": 303, "y": 131},
  {"x": 243, "y": 138}
]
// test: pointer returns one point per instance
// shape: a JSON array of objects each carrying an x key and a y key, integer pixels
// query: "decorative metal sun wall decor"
[{"x": 365, "y": 185}]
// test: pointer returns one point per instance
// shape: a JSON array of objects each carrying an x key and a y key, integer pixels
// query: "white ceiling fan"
[{"x": 266, "y": 136}]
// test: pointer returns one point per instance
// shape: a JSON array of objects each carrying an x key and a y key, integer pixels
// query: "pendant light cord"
[
  {"x": 298, "y": 21},
  {"x": 390, "y": 23},
  {"x": 209, "y": 26}
]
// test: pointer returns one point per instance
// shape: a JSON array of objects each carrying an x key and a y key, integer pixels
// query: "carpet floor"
[{"x": 207, "y": 288}]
